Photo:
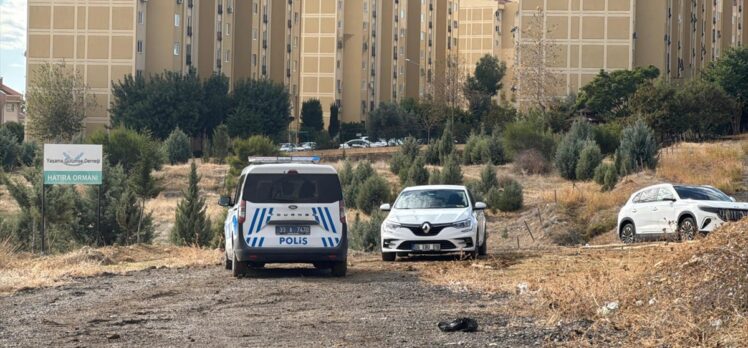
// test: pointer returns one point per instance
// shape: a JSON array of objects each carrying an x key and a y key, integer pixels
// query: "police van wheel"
[
  {"x": 389, "y": 257},
  {"x": 238, "y": 268},
  {"x": 339, "y": 268},
  {"x": 226, "y": 261}
]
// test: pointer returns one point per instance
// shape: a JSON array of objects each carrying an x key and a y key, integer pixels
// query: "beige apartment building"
[{"x": 480, "y": 31}]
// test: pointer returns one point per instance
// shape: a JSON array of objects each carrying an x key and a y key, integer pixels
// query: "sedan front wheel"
[
  {"x": 628, "y": 233},
  {"x": 687, "y": 229}
]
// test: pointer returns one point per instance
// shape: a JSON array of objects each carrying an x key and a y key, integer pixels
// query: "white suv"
[
  {"x": 676, "y": 210},
  {"x": 433, "y": 219},
  {"x": 288, "y": 210}
]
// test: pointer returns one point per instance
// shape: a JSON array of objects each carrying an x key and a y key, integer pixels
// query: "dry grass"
[
  {"x": 22, "y": 270},
  {"x": 716, "y": 164}
]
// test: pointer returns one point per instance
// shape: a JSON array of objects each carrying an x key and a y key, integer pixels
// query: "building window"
[
  {"x": 177, "y": 48},
  {"x": 10, "y": 107},
  {"x": 254, "y": 34},
  {"x": 228, "y": 56},
  {"x": 176, "y": 20},
  {"x": 228, "y": 29},
  {"x": 254, "y": 59},
  {"x": 140, "y": 17},
  {"x": 140, "y": 46}
]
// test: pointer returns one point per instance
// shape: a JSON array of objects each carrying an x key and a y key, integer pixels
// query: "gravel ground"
[{"x": 272, "y": 307}]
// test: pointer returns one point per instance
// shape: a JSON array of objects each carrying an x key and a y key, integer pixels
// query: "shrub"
[
  {"x": 488, "y": 178},
  {"x": 364, "y": 235},
  {"x": 606, "y": 176},
  {"x": 570, "y": 148},
  {"x": 451, "y": 174},
  {"x": 589, "y": 158},
  {"x": 353, "y": 180},
  {"x": 638, "y": 149},
  {"x": 220, "y": 143},
  {"x": 16, "y": 129},
  {"x": 9, "y": 149},
  {"x": 399, "y": 163},
  {"x": 435, "y": 177},
  {"x": 511, "y": 198},
  {"x": 523, "y": 135},
  {"x": 27, "y": 153},
  {"x": 476, "y": 189},
  {"x": 126, "y": 147},
  {"x": 256, "y": 145},
  {"x": 531, "y": 162},
  {"x": 372, "y": 193},
  {"x": 607, "y": 137},
  {"x": 418, "y": 174},
  {"x": 177, "y": 147},
  {"x": 432, "y": 153},
  {"x": 410, "y": 148},
  {"x": 496, "y": 149},
  {"x": 346, "y": 173},
  {"x": 446, "y": 143},
  {"x": 493, "y": 198},
  {"x": 191, "y": 225}
]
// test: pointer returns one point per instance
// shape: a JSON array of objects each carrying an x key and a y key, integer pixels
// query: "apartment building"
[
  {"x": 480, "y": 34},
  {"x": 11, "y": 104}
]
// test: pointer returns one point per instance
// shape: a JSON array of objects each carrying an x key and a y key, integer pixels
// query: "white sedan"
[{"x": 433, "y": 219}]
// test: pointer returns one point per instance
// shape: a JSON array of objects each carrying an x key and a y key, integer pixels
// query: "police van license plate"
[
  {"x": 292, "y": 230},
  {"x": 427, "y": 247}
]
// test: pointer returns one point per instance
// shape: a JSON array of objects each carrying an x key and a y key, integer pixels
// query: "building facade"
[{"x": 11, "y": 105}]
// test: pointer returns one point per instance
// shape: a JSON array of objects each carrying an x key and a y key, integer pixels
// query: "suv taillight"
[
  {"x": 242, "y": 211},
  {"x": 341, "y": 205}
]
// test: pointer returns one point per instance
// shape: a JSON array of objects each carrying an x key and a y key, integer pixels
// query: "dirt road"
[{"x": 273, "y": 307}]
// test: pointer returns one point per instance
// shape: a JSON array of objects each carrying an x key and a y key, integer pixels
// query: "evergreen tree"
[
  {"x": 311, "y": 115},
  {"x": 192, "y": 227},
  {"x": 144, "y": 185},
  {"x": 177, "y": 147},
  {"x": 334, "y": 125},
  {"x": 221, "y": 143}
]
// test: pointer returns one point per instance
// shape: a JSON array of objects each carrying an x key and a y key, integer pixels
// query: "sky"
[{"x": 13, "y": 43}]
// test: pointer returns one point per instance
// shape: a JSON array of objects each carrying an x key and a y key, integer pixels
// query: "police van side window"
[{"x": 238, "y": 189}]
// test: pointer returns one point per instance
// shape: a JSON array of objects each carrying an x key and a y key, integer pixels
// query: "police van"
[{"x": 286, "y": 210}]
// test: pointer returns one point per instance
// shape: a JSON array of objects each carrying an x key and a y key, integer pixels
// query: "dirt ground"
[{"x": 292, "y": 306}]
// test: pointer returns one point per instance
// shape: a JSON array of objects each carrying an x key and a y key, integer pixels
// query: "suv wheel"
[
  {"x": 389, "y": 257},
  {"x": 339, "y": 268},
  {"x": 628, "y": 233},
  {"x": 687, "y": 229},
  {"x": 226, "y": 261},
  {"x": 238, "y": 268}
]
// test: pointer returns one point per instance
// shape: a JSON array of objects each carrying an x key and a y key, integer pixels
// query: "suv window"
[
  {"x": 665, "y": 194},
  {"x": 238, "y": 188},
  {"x": 647, "y": 196},
  {"x": 292, "y": 188}
]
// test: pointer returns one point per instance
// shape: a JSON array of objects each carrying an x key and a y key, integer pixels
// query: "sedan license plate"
[
  {"x": 427, "y": 247},
  {"x": 292, "y": 230}
]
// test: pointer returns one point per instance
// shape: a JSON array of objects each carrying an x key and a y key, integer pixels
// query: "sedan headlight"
[
  {"x": 391, "y": 226},
  {"x": 463, "y": 224}
]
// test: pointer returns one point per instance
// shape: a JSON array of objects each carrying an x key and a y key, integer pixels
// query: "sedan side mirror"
[
  {"x": 225, "y": 201},
  {"x": 480, "y": 206},
  {"x": 385, "y": 207}
]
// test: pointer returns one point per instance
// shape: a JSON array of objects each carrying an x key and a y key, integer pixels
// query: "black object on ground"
[{"x": 461, "y": 324}]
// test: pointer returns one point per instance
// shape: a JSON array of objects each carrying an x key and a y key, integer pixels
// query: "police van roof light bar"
[{"x": 279, "y": 159}]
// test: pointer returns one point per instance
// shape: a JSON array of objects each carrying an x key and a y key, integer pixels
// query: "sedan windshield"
[
  {"x": 701, "y": 193},
  {"x": 432, "y": 199}
]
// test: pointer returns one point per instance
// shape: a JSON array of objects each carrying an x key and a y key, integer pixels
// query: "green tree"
[
  {"x": 9, "y": 149},
  {"x": 311, "y": 115},
  {"x": 589, "y": 159},
  {"x": 451, "y": 174},
  {"x": 386, "y": 121},
  {"x": 16, "y": 128},
  {"x": 570, "y": 148},
  {"x": 334, "y": 125},
  {"x": 192, "y": 227},
  {"x": 638, "y": 149},
  {"x": 707, "y": 109},
  {"x": 608, "y": 94},
  {"x": 488, "y": 178},
  {"x": 126, "y": 147},
  {"x": 216, "y": 103},
  {"x": 483, "y": 85},
  {"x": 261, "y": 107},
  {"x": 527, "y": 134},
  {"x": 177, "y": 147},
  {"x": 658, "y": 105},
  {"x": 57, "y": 102},
  {"x": 418, "y": 174},
  {"x": 143, "y": 184},
  {"x": 242, "y": 149},
  {"x": 730, "y": 72},
  {"x": 159, "y": 103},
  {"x": 221, "y": 143}
]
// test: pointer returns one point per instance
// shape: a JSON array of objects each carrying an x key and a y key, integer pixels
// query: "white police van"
[{"x": 286, "y": 210}]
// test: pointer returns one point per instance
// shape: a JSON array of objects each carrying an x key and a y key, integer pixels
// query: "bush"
[
  {"x": 476, "y": 189},
  {"x": 221, "y": 143},
  {"x": 607, "y": 137},
  {"x": 126, "y": 147},
  {"x": 570, "y": 148},
  {"x": 493, "y": 198},
  {"x": 531, "y": 162},
  {"x": 410, "y": 148},
  {"x": 16, "y": 129},
  {"x": 353, "y": 179},
  {"x": 177, "y": 147},
  {"x": 346, "y": 173},
  {"x": 364, "y": 235},
  {"x": 27, "y": 153},
  {"x": 496, "y": 149},
  {"x": 446, "y": 144},
  {"x": 451, "y": 174},
  {"x": 488, "y": 179},
  {"x": 372, "y": 193},
  {"x": 9, "y": 149},
  {"x": 510, "y": 198},
  {"x": 638, "y": 149},
  {"x": 256, "y": 145},
  {"x": 435, "y": 177},
  {"x": 432, "y": 153},
  {"x": 524, "y": 135},
  {"x": 606, "y": 176},
  {"x": 399, "y": 163},
  {"x": 418, "y": 174},
  {"x": 589, "y": 158}
]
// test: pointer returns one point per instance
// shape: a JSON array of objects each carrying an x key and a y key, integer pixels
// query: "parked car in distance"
[
  {"x": 394, "y": 142},
  {"x": 355, "y": 144},
  {"x": 286, "y": 147},
  {"x": 379, "y": 143},
  {"x": 433, "y": 219},
  {"x": 682, "y": 211},
  {"x": 309, "y": 145}
]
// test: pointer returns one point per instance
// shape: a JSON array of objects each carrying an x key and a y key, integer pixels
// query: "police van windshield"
[{"x": 292, "y": 188}]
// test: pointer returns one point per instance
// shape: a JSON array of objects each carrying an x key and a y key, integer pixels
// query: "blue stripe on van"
[
  {"x": 324, "y": 242},
  {"x": 262, "y": 241},
  {"x": 331, "y": 242},
  {"x": 259, "y": 222},
  {"x": 254, "y": 241},
  {"x": 252, "y": 225},
  {"x": 270, "y": 215},
  {"x": 332, "y": 224},
  {"x": 324, "y": 221},
  {"x": 337, "y": 240}
]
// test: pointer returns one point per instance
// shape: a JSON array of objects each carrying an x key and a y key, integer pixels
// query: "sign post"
[{"x": 71, "y": 164}]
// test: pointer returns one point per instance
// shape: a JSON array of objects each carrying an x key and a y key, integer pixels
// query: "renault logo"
[{"x": 426, "y": 227}]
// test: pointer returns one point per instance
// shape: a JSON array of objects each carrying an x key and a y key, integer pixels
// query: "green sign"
[{"x": 72, "y": 178}]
